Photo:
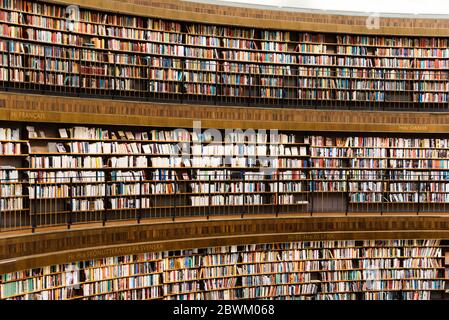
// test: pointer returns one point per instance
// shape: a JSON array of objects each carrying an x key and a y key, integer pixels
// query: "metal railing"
[
  {"x": 43, "y": 202},
  {"x": 90, "y": 72}
]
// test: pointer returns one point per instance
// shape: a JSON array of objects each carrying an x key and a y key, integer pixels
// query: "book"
[
  {"x": 121, "y": 135},
  {"x": 268, "y": 270},
  {"x": 60, "y": 148},
  {"x": 129, "y": 135},
  {"x": 63, "y": 133}
]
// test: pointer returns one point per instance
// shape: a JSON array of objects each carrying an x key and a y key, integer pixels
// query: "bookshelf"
[
  {"x": 105, "y": 54},
  {"x": 79, "y": 174},
  {"x": 200, "y": 72},
  {"x": 68, "y": 174},
  {"x": 13, "y": 193},
  {"x": 383, "y": 172},
  {"x": 165, "y": 72},
  {"x": 318, "y": 270},
  {"x": 238, "y": 69}
]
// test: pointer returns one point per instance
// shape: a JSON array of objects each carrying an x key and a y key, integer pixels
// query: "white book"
[
  {"x": 106, "y": 147},
  {"x": 146, "y": 149},
  {"x": 63, "y": 133},
  {"x": 186, "y": 162},
  {"x": 134, "y": 148},
  {"x": 294, "y": 151},
  {"x": 61, "y": 148}
]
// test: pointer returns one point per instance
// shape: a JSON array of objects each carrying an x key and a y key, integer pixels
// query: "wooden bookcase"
[
  {"x": 104, "y": 54},
  {"x": 320, "y": 270},
  {"x": 72, "y": 174}
]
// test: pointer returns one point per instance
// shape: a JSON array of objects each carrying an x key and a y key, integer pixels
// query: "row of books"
[
  {"x": 164, "y": 69},
  {"x": 9, "y": 134},
  {"x": 378, "y": 142},
  {"x": 233, "y": 187},
  {"x": 169, "y": 81},
  {"x": 173, "y": 135},
  {"x": 66, "y": 176},
  {"x": 228, "y": 200},
  {"x": 137, "y": 22},
  {"x": 10, "y": 148},
  {"x": 393, "y": 41},
  {"x": 66, "y": 162},
  {"x": 137, "y": 34},
  {"x": 207, "y": 269},
  {"x": 64, "y": 191}
]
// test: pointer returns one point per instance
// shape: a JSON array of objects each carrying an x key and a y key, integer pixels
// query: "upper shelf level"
[
  {"x": 205, "y": 11},
  {"x": 56, "y": 49},
  {"x": 398, "y": 8}
]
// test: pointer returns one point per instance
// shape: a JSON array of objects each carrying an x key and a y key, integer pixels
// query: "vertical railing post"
[
  {"x": 250, "y": 85},
  {"x": 209, "y": 198},
  {"x": 79, "y": 70},
  {"x": 174, "y": 206},
  {"x": 105, "y": 201},
  {"x": 116, "y": 79},
  {"x": 347, "y": 193},
  {"x": 8, "y": 51},
  {"x": 243, "y": 189},
  {"x": 277, "y": 194},
  {"x": 139, "y": 213},
  {"x": 218, "y": 84},
  {"x": 419, "y": 195},
  {"x": 69, "y": 220},
  {"x": 148, "y": 59},
  {"x": 316, "y": 89},
  {"x": 384, "y": 86},
  {"x": 297, "y": 81},
  {"x": 45, "y": 70},
  {"x": 382, "y": 195},
  {"x": 183, "y": 88},
  {"x": 283, "y": 87},
  {"x": 312, "y": 196},
  {"x": 33, "y": 215},
  {"x": 1, "y": 215}
]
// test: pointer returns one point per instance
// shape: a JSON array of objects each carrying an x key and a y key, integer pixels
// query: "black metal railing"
[
  {"x": 42, "y": 202},
  {"x": 90, "y": 72}
]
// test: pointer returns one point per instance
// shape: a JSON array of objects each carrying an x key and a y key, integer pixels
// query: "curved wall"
[
  {"x": 58, "y": 246},
  {"x": 53, "y": 246},
  {"x": 217, "y": 14}
]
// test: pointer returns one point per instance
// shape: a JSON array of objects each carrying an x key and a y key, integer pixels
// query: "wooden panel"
[
  {"x": 251, "y": 17},
  {"x": 19, "y": 252},
  {"x": 39, "y": 108}
]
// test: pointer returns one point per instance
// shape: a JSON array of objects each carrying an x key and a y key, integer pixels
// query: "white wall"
[{"x": 421, "y": 7}]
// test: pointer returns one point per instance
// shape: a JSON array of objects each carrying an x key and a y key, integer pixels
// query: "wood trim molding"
[
  {"x": 18, "y": 252},
  {"x": 271, "y": 19},
  {"x": 56, "y": 109}
]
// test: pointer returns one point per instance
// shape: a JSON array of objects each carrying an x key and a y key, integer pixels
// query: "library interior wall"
[
  {"x": 308, "y": 270},
  {"x": 250, "y": 17},
  {"x": 158, "y": 75},
  {"x": 22, "y": 251},
  {"x": 49, "y": 247},
  {"x": 40, "y": 108}
]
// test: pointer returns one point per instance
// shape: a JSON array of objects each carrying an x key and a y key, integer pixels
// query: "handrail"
[{"x": 69, "y": 202}]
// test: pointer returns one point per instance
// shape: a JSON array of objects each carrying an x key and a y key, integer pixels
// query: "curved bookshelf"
[
  {"x": 103, "y": 54},
  {"x": 69, "y": 175},
  {"x": 317, "y": 270}
]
